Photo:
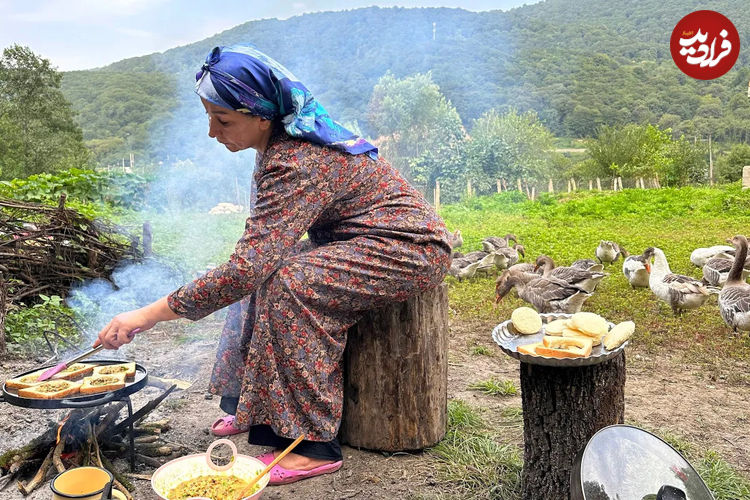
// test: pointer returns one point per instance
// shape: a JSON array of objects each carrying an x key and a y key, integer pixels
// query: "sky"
[{"x": 84, "y": 34}]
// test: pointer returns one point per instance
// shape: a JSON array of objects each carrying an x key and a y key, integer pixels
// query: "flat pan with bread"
[
  {"x": 83, "y": 386},
  {"x": 561, "y": 340}
]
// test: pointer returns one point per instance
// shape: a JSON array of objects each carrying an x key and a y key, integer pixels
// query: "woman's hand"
[{"x": 123, "y": 327}]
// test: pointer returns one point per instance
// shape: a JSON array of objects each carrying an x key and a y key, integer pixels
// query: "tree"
[
  {"x": 37, "y": 131},
  {"x": 414, "y": 121},
  {"x": 729, "y": 166},
  {"x": 512, "y": 145}
]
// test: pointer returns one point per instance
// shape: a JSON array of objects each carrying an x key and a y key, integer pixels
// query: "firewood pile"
[
  {"x": 44, "y": 249},
  {"x": 91, "y": 436}
]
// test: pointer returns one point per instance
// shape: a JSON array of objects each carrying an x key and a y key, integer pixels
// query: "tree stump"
[
  {"x": 396, "y": 375},
  {"x": 562, "y": 409}
]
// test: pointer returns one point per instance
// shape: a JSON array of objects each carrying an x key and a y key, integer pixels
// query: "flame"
[{"x": 59, "y": 427}]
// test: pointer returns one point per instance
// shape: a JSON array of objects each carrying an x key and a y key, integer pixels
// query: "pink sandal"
[
  {"x": 224, "y": 426},
  {"x": 280, "y": 475}
]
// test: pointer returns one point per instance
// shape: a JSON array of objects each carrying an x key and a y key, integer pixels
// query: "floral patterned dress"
[{"x": 373, "y": 239}]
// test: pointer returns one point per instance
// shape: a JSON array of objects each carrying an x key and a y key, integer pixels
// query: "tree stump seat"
[
  {"x": 562, "y": 409},
  {"x": 396, "y": 375}
]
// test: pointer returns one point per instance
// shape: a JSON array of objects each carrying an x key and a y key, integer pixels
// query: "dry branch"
[
  {"x": 45, "y": 249},
  {"x": 38, "y": 478}
]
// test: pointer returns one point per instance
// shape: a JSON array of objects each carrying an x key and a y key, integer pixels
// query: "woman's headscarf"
[{"x": 244, "y": 79}]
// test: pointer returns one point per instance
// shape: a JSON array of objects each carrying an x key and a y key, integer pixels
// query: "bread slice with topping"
[
  {"x": 74, "y": 371},
  {"x": 51, "y": 389},
  {"x": 127, "y": 368},
  {"x": 103, "y": 383},
  {"x": 24, "y": 381}
]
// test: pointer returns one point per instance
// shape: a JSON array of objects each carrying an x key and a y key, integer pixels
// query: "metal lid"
[{"x": 621, "y": 461}]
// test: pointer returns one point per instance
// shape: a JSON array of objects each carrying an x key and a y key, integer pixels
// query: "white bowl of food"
[{"x": 197, "y": 477}]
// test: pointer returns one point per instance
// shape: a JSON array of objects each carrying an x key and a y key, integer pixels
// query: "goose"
[
  {"x": 464, "y": 271},
  {"x": 588, "y": 265},
  {"x": 456, "y": 240},
  {"x": 525, "y": 267},
  {"x": 545, "y": 294},
  {"x": 679, "y": 291},
  {"x": 636, "y": 268},
  {"x": 608, "y": 251},
  {"x": 493, "y": 243},
  {"x": 573, "y": 275},
  {"x": 716, "y": 270},
  {"x": 734, "y": 298},
  {"x": 490, "y": 262},
  {"x": 511, "y": 256},
  {"x": 700, "y": 256}
]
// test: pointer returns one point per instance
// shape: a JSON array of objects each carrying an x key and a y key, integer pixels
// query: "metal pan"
[
  {"x": 509, "y": 339},
  {"x": 131, "y": 386}
]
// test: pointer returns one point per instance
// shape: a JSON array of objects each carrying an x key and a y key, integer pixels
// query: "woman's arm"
[
  {"x": 122, "y": 328},
  {"x": 294, "y": 188}
]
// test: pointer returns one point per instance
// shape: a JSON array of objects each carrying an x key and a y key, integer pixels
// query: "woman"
[{"x": 372, "y": 240}]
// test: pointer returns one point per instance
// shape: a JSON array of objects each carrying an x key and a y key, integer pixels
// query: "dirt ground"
[{"x": 711, "y": 410}]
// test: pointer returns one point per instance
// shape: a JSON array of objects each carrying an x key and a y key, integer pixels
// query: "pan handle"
[{"x": 67, "y": 403}]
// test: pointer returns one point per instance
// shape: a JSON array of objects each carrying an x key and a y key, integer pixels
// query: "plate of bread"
[
  {"x": 559, "y": 339},
  {"x": 78, "y": 381}
]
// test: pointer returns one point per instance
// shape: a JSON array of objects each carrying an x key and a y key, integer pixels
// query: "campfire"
[{"x": 93, "y": 436}]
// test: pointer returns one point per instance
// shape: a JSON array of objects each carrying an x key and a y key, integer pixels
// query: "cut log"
[
  {"x": 562, "y": 409},
  {"x": 396, "y": 375}
]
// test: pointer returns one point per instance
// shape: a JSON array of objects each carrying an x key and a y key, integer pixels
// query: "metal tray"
[
  {"x": 509, "y": 339},
  {"x": 131, "y": 386}
]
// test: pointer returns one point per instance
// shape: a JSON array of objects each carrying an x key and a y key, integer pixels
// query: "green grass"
[
  {"x": 568, "y": 227},
  {"x": 471, "y": 461},
  {"x": 481, "y": 350},
  {"x": 495, "y": 387}
]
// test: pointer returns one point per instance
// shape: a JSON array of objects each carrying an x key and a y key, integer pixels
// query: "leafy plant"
[{"x": 26, "y": 326}]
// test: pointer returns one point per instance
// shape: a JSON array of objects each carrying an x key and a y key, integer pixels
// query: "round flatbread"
[
  {"x": 526, "y": 321},
  {"x": 588, "y": 323},
  {"x": 556, "y": 327}
]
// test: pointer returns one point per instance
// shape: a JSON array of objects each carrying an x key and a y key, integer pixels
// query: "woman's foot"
[
  {"x": 224, "y": 426},
  {"x": 293, "y": 461},
  {"x": 294, "y": 467}
]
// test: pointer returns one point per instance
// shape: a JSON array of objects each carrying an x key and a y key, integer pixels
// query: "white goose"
[
  {"x": 573, "y": 275},
  {"x": 456, "y": 239},
  {"x": 734, "y": 299},
  {"x": 679, "y": 291},
  {"x": 637, "y": 268},
  {"x": 700, "y": 256},
  {"x": 545, "y": 294}
]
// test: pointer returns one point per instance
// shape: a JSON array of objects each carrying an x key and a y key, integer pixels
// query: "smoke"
[{"x": 194, "y": 175}]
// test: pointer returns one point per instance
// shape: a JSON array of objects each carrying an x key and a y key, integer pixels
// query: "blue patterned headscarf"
[{"x": 244, "y": 79}]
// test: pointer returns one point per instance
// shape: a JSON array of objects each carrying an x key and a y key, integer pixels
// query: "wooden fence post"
[
  {"x": 591, "y": 185},
  {"x": 569, "y": 185},
  {"x": 533, "y": 193},
  {"x": 575, "y": 186},
  {"x": 499, "y": 186},
  {"x": 598, "y": 184},
  {"x": 551, "y": 187},
  {"x": 520, "y": 188},
  {"x": 619, "y": 181},
  {"x": 437, "y": 195},
  {"x": 746, "y": 175},
  {"x": 468, "y": 187}
]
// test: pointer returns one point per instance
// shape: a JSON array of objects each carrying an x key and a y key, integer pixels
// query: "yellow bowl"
[{"x": 174, "y": 472}]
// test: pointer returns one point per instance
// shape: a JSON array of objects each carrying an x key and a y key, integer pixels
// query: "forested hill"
[{"x": 578, "y": 63}]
